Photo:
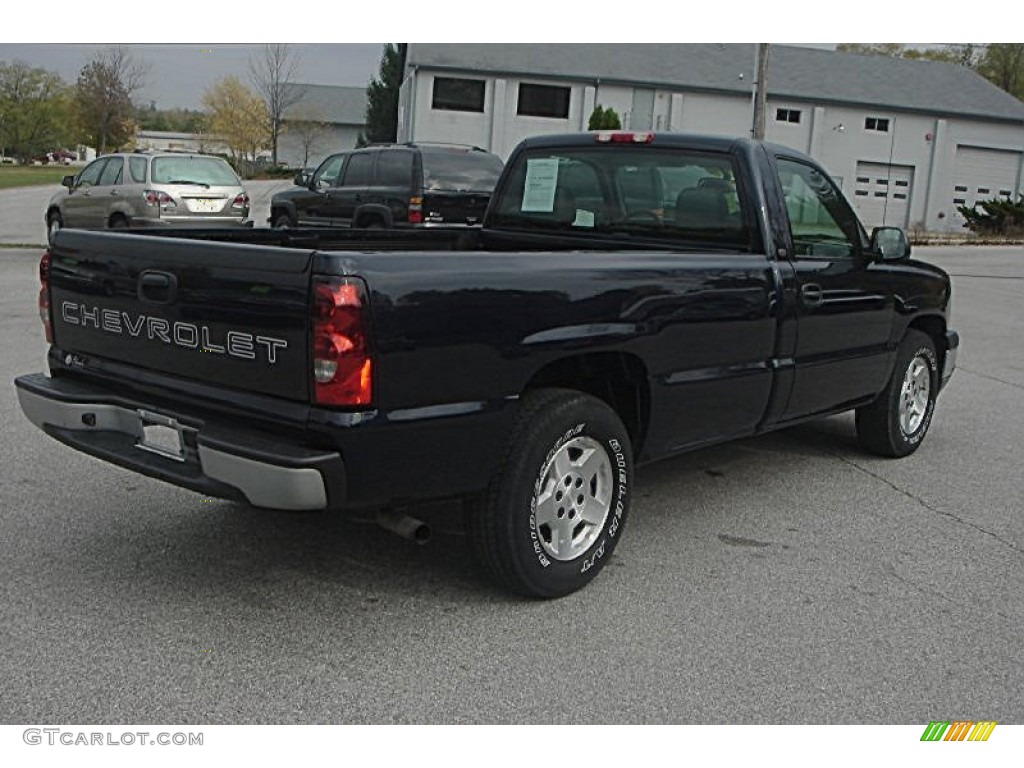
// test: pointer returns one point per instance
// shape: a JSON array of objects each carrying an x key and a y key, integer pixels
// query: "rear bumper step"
[{"x": 216, "y": 460}]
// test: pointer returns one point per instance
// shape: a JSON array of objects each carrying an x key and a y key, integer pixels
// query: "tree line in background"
[{"x": 40, "y": 113}]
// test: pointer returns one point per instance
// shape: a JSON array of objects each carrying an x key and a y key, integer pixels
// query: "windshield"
[
  {"x": 201, "y": 171},
  {"x": 460, "y": 170},
  {"x": 625, "y": 191}
]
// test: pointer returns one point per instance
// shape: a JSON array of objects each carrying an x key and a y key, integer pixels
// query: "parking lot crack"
[
  {"x": 991, "y": 378},
  {"x": 929, "y": 507}
]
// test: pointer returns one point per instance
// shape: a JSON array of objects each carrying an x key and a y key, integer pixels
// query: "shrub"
[{"x": 999, "y": 216}]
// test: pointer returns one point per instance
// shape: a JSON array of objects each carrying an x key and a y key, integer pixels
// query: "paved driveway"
[
  {"x": 22, "y": 209},
  {"x": 789, "y": 578}
]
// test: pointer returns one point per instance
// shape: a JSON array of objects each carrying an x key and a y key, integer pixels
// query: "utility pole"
[{"x": 761, "y": 92}]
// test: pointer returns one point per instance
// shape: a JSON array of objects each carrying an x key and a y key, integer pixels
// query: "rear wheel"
[
  {"x": 282, "y": 220},
  {"x": 117, "y": 221},
  {"x": 556, "y": 507},
  {"x": 896, "y": 423}
]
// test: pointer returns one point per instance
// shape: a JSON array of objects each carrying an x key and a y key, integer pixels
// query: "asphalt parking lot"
[{"x": 784, "y": 579}]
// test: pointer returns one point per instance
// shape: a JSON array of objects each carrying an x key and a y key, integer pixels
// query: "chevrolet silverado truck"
[{"x": 629, "y": 296}]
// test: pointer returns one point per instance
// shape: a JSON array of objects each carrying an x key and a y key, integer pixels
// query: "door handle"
[
  {"x": 114, "y": 192},
  {"x": 812, "y": 295}
]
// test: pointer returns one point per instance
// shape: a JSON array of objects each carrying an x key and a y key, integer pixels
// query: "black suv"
[{"x": 397, "y": 185}]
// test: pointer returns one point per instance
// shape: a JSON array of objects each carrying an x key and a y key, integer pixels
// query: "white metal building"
[{"x": 907, "y": 140}]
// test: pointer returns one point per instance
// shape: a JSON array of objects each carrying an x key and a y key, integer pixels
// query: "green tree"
[
  {"x": 382, "y": 97},
  {"x": 1003, "y": 64},
  {"x": 34, "y": 111},
  {"x": 604, "y": 119},
  {"x": 103, "y": 98},
  {"x": 238, "y": 117}
]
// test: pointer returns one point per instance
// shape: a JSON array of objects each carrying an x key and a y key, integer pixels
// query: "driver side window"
[
  {"x": 327, "y": 174},
  {"x": 821, "y": 222},
  {"x": 90, "y": 176}
]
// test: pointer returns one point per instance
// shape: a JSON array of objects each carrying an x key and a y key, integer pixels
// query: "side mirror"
[
  {"x": 68, "y": 181},
  {"x": 890, "y": 242},
  {"x": 302, "y": 178}
]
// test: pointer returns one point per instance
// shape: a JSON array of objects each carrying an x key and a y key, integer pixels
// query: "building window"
[
  {"x": 959, "y": 201},
  {"x": 1006, "y": 192},
  {"x": 983, "y": 190},
  {"x": 458, "y": 95},
  {"x": 787, "y": 115},
  {"x": 880, "y": 124},
  {"x": 960, "y": 189},
  {"x": 543, "y": 101}
]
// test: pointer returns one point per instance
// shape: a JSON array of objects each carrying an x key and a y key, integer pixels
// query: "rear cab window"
[{"x": 661, "y": 194}]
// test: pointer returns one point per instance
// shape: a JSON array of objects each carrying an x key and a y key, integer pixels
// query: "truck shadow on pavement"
[{"x": 269, "y": 560}]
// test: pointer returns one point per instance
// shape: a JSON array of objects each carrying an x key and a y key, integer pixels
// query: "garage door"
[
  {"x": 882, "y": 194},
  {"x": 982, "y": 174}
]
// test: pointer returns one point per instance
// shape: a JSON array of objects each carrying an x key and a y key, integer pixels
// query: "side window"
[
  {"x": 394, "y": 169},
  {"x": 90, "y": 176},
  {"x": 327, "y": 174},
  {"x": 357, "y": 172},
  {"x": 112, "y": 172},
  {"x": 821, "y": 222},
  {"x": 137, "y": 169}
]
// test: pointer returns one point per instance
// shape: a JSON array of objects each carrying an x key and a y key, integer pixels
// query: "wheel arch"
[
  {"x": 617, "y": 378},
  {"x": 369, "y": 213},
  {"x": 934, "y": 326}
]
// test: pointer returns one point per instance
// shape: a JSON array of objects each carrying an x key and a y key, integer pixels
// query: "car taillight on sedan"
[
  {"x": 342, "y": 366},
  {"x": 240, "y": 201},
  {"x": 44, "y": 296}
]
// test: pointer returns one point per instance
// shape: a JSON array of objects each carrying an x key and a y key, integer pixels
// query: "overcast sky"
[{"x": 179, "y": 74}]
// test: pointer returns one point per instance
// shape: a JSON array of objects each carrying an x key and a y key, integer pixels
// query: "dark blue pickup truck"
[{"x": 628, "y": 297}]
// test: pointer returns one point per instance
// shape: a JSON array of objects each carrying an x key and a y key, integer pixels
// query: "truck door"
[
  {"x": 343, "y": 200},
  {"x": 311, "y": 206},
  {"x": 844, "y": 304}
]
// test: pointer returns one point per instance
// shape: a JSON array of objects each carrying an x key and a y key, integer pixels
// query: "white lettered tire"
[
  {"x": 555, "y": 509},
  {"x": 897, "y": 422}
]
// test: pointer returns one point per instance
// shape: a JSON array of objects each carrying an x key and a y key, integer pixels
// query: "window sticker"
[
  {"x": 541, "y": 180},
  {"x": 583, "y": 218}
]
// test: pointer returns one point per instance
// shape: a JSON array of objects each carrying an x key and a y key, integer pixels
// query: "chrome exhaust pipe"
[{"x": 405, "y": 526}]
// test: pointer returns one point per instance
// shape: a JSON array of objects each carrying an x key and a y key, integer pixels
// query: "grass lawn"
[{"x": 32, "y": 175}]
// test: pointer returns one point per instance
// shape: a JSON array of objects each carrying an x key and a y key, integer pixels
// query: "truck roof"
[{"x": 705, "y": 141}]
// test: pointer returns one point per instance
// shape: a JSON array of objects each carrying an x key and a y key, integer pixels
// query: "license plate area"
[
  {"x": 162, "y": 435},
  {"x": 203, "y": 204}
]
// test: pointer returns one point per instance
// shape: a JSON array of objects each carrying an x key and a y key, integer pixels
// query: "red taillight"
[
  {"x": 342, "y": 368},
  {"x": 240, "y": 201},
  {"x": 415, "y": 210},
  {"x": 613, "y": 137},
  {"x": 162, "y": 199},
  {"x": 44, "y": 296}
]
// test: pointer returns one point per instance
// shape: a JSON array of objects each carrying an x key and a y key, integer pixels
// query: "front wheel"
[
  {"x": 556, "y": 507},
  {"x": 896, "y": 423}
]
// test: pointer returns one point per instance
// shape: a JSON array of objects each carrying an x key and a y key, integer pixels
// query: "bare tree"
[
  {"x": 273, "y": 74},
  {"x": 309, "y": 126}
]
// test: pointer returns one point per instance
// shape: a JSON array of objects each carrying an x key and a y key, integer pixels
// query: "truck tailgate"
[{"x": 220, "y": 313}]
